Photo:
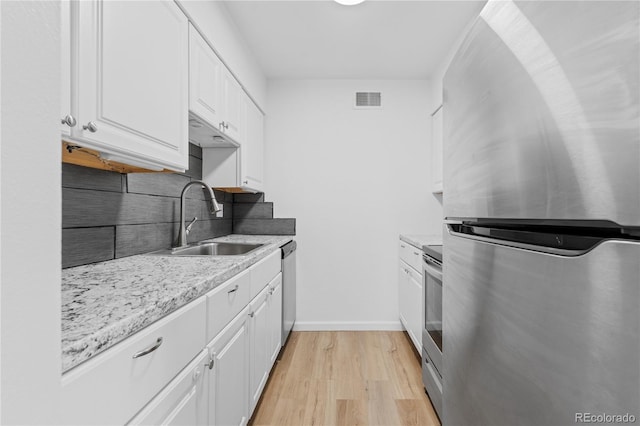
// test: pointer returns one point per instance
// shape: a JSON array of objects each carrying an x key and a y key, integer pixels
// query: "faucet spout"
[{"x": 215, "y": 207}]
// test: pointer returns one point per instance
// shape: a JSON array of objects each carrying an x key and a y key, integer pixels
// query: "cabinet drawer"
[
  {"x": 264, "y": 271},
  {"x": 411, "y": 255},
  {"x": 112, "y": 387},
  {"x": 183, "y": 401},
  {"x": 225, "y": 301}
]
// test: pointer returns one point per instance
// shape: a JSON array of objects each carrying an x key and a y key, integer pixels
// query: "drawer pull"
[
  {"x": 233, "y": 289},
  {"x": 149, "y": 350},
  {"x": 416, "y": 253}
]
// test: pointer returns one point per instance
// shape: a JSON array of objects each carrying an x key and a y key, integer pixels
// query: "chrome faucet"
[{"x": 182, "y": 231}]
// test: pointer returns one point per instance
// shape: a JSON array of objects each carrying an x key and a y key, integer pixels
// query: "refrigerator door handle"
[{"x": 524, "y": 246}]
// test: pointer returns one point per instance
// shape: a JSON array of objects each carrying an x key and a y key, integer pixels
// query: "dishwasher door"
[{"x": 288, "y": 289}]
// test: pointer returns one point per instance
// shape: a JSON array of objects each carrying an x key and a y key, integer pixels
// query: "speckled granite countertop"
[
  {"x": 104, "y": 303},
  {"x": 421, "y": 240}
]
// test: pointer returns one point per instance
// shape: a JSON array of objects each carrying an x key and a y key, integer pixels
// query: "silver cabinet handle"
[
  {"x": 149, "y": 350},
  {"x": 246, "y": 182},
  {"x": 416, "y": 253},
  {"x": 251, "y": 314},
  {"x": 223, "y": 125},
  {"x": 90, "y": 126},
  {"x": 69, "y": 120},
  {"x": 233, "y": 289},
  {"x": 271, "y": 290},
  {"x": 211, "y": 362}
]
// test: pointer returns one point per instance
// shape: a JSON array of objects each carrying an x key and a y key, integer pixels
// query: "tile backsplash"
[{"x": 108, "y": 215}]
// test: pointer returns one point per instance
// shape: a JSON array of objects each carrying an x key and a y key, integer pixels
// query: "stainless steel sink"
[{"x": 211, "y": 249}]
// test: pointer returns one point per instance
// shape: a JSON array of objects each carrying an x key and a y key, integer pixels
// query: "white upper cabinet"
[
  {"x": 205, "y": 80},
  {"x": 67, "y": 119},
  {"x": 132, "y": 81},
  {"x": 233, "y": 119},
  {"x": 436, "y": 150},
  {"x": 252, "y": 150},
  {"x": 215, "y": 97}
]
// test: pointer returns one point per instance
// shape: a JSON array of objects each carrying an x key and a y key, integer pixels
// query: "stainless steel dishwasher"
[{"x": 288, "y": 289}]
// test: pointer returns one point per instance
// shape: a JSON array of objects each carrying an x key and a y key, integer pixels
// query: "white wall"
[
  {"x": 30, "y": 212},
  {"x": 354, "y": 180},
  {"x": 215, "y": 23}
]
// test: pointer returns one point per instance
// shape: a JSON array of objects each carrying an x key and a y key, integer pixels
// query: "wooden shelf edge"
[{"x": 74, "y": 154}]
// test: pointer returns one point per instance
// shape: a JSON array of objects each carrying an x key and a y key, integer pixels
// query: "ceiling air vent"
[{"x": 368, "y": 100}]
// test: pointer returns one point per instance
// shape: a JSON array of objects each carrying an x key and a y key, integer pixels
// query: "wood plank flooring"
[{"x": 346, "y": 378}]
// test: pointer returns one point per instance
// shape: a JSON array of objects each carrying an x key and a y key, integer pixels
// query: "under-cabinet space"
[{"x": 238, "y": 169}]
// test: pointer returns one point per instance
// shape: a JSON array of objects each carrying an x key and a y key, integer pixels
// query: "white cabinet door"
[
  {"x": 275, "y": 319},
  {"x": 259, "y": 349},
  {"x": 232, "y": 95},
  {"x": 183, "y": 401},
  {"x": 229, "y": 376},
  {"x": 205, "y": 80},
  {"x": 410, "y": 303},
  {"x": 436, "y": 150},
  {"x": 415, "y": 312},
  {"x": 133, "y": 81},
  {"x": 404, "y": 295},
  {"x": 67, "y": 116},
  {"x": 252, "y": 150}
]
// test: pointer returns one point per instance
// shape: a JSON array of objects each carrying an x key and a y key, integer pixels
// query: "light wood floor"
[{"x": 346, "y": 378}]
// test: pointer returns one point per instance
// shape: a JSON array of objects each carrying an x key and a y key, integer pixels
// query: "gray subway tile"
[
  {"x": 86, "y": 178},
  {"x": 167, "y": 184},
  {"x": 279, "y": 226},
  {"x": 87, "y": 245},
  {"x": 258, "y": 197},
  {"x": 253, "y": 211},
  {"x": 136, "y": 239}
]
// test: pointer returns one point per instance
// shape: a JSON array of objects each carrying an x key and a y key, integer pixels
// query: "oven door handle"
[{"x": 432, "y": 270}]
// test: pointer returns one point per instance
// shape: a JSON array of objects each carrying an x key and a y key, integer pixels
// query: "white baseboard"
[{"x": 347, "y": 326}]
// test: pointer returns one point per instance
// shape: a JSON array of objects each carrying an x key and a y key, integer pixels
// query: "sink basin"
[{"x": 212, "y": 249}]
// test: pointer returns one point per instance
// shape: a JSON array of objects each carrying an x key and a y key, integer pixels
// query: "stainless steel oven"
[{"x": 432, "y": 324}]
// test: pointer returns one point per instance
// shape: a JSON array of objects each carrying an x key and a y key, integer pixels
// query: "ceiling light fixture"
[{"x": 349, "y": 2}]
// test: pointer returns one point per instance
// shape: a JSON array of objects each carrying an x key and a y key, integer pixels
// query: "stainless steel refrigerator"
[{"x": 541, "y": 287}]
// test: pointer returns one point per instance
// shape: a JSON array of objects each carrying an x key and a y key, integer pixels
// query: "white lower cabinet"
[
  {"x": 167, "y": 373},
  {"x": 183, "y": 402},
  {"x": 259, "y": 331},
  {"x": 410, "y": 293},
  {"x": 114, "y": 385},
  {"x": 275, "y": 319},
  {"x": 229, "y": 373},
  {"x": 266, "y": 330}
]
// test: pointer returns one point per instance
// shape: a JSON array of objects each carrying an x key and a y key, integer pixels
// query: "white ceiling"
[{"x": 377, "y": 39}]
